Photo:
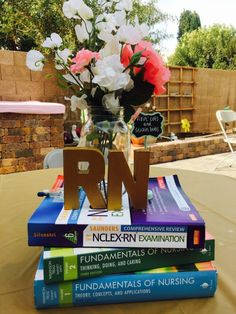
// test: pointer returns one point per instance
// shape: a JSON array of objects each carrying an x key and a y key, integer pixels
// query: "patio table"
[{"x": 212, "y": 194}]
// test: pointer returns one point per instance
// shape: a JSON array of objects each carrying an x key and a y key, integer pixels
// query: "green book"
[{"x": 62, "y": 264}]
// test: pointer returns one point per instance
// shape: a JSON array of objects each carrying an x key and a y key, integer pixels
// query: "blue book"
[
  {"x": 170, "y": 221},
  {"x": 178, "y": 282}
]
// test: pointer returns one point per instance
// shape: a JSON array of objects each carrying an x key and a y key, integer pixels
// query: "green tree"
[
  {"x": 188, "y": 22},
  {"x": 25, "y": 24},
  {"x": 212, "y": 47}
]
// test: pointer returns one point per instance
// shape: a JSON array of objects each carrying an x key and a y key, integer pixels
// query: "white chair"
[
  {"x": 54, "y": 159},
  {"x": 226, "y": 118}
]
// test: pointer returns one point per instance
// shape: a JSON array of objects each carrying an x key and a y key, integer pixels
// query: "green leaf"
[
  {"x": 92, "y": 136},
  {"x": 136, "y": 57},
  {"x": 48, "y": 76}
]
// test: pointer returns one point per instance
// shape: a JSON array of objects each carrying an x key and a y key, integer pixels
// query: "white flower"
[
  {"x": 108, "y": 4},
  {"x": 85, "y": 12},
  {"x": 112, "y": 47},
  {"x": 77, "y": 9},
  {"x": 70, "y": 78},
  {"x": 120, "y": 18},
  {"x": 129, "y": 34},
  {"x": 109, "y": 74},
  {"x": 105, "y": 36},
  {"x": 110, "y": 19},
  {"x": 54, "y": 41},
  {"x": 69, "y": 10},
  {"x": 130, "y": 85},
  {"x": 61, "y": 58},
  {"x": 105, "y": 26},
  {"x": 78, "y": 102},
  {"x": 143, "y": 28},
  {"x": 108, "y": 24},
  {"x": 35, "y": 60},
  {"x": 126, "y": 5},
  {"x": 85, "y": 76},
  {"x": 100, "y": 18},
  {"x": 111, "y": 103},
  {"x": 93, "y": 91},
  {"x": 82, "y": 31}
]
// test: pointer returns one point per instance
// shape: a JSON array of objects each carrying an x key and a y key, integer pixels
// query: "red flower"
[
  {"x": 126, "y": 56},
  {"x": 155, "y": 71}
]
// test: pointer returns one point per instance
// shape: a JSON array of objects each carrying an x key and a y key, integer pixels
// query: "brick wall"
[
  {"x": 19, "y": 83},
  {"x": 189, "y": 148},
  {"x": 25, "y": 139}
]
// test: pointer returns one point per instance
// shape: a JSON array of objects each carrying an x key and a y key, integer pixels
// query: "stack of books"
[{"x": 100, "y": 257}]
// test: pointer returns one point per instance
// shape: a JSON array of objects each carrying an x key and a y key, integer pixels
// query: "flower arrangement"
[{"x": 114, "y": 66}]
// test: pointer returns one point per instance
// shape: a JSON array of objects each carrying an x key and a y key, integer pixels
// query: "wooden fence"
[{"x": 215, "y": 90}]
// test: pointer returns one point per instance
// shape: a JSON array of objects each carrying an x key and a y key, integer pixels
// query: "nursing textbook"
[
  {"x": 62, "y": 264},
  {"x": 176, "y": 282},
  {"x": 169, "y": 221}
]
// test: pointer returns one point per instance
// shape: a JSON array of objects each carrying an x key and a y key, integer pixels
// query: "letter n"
[
  {"x": 87, "y": 179},
  {"x": 119, "y": 172}
]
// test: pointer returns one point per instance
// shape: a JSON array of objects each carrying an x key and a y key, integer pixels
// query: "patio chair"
[
  {"x": 54, "y": 159},
  {"x": 225, "y": 118}
]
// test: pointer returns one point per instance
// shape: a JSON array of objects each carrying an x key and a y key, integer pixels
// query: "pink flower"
[
  {"x": 155, "y": 71},
  {"x": 82, "y": 59}
]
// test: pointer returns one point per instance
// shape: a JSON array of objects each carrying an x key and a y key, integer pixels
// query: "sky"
[{"x": 210, "y": 12}]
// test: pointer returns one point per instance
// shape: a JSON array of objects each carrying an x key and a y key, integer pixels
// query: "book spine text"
[
  {"x": 70, "y": 267},
  {"x": 126, "y": 288}
]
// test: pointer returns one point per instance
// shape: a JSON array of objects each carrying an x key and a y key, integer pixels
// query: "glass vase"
[{"x": 105, "y": 130}]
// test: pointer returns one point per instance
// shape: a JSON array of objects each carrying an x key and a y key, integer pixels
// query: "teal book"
[
  {"x": 62, "y": 264},
  {"x": 197, "y": 280}
]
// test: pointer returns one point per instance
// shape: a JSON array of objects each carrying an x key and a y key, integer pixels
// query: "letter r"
[{"x": 87, "y": 179}]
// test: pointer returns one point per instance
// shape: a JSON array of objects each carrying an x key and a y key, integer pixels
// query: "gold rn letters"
[{"x": 118, "y": 172}]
